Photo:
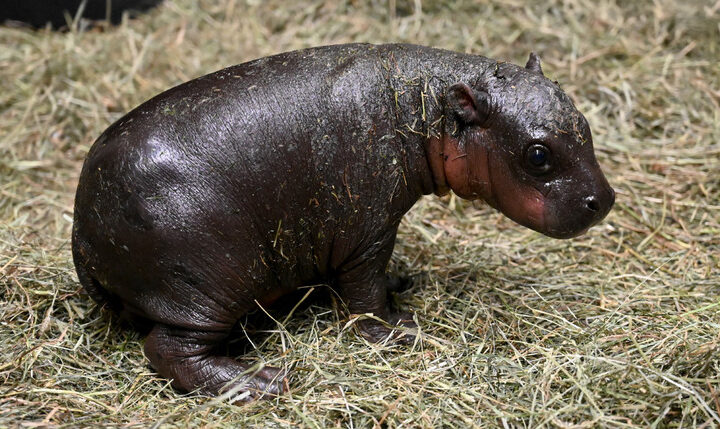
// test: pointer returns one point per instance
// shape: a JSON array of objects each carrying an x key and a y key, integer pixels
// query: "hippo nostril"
[{"x": 592, "y": 204}]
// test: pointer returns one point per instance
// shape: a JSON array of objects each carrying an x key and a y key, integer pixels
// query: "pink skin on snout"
[{"x": 522, "y": 203}]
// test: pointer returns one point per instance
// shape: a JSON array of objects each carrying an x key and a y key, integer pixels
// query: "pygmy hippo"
[{"x": 224, "y": 193}]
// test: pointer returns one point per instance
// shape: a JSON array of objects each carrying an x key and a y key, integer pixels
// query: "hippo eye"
[{"x": 538, "y": 158}]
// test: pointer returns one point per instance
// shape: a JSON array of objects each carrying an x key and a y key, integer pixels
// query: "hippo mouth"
[
  {"x": 533, "y": 211},
  {"x": 568, "y": 226},
  {"x": 563, "y": 233}
]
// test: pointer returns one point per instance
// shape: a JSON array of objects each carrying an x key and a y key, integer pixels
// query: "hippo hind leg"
[{"x": 190, "y": 359}]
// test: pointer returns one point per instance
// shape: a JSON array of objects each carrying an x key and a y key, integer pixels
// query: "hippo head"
[{"x": 517, "y": 141}]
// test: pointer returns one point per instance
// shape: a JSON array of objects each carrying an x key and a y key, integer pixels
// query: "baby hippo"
[{"x": 224, "y": 193}]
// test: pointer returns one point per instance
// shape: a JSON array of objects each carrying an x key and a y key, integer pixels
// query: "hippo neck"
[{"x": 419, "y": 77}]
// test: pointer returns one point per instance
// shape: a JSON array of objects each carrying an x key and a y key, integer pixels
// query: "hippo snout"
[
  {"x": 598, "y": 205},
  {"x": 573, "y": 218}
]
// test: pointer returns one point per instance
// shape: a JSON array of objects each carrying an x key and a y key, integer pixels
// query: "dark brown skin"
[{"x": 236, "y": 188}]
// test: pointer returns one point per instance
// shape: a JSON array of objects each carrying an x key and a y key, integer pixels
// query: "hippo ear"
[
  {"x": 471, "y": 107},
  {"x": 533, "y": 63}
]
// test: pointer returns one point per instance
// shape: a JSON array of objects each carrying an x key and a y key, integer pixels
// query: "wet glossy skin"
[{"x": 236, "y": 188}]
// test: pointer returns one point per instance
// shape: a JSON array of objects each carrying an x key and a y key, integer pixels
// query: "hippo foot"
[
  {"x": 376, "y": 331},
  {"x": 264, "y": 383},
  {"x": 187, "y": 358}
]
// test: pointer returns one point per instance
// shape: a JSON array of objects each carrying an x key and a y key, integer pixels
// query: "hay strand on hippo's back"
[{"x": 617, "y": 328}]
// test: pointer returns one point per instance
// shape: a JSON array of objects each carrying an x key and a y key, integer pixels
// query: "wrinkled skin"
[{"x": 233, "y": 189}]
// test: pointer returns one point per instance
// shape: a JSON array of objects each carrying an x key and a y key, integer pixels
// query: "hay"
[{"x": 618, "y": 328}]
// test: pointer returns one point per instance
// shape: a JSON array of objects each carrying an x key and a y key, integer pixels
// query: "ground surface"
[{"x": 618, "y": 328}]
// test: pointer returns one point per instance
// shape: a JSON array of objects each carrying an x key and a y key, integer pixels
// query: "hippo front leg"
[{"x": 364, "y": 287}]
